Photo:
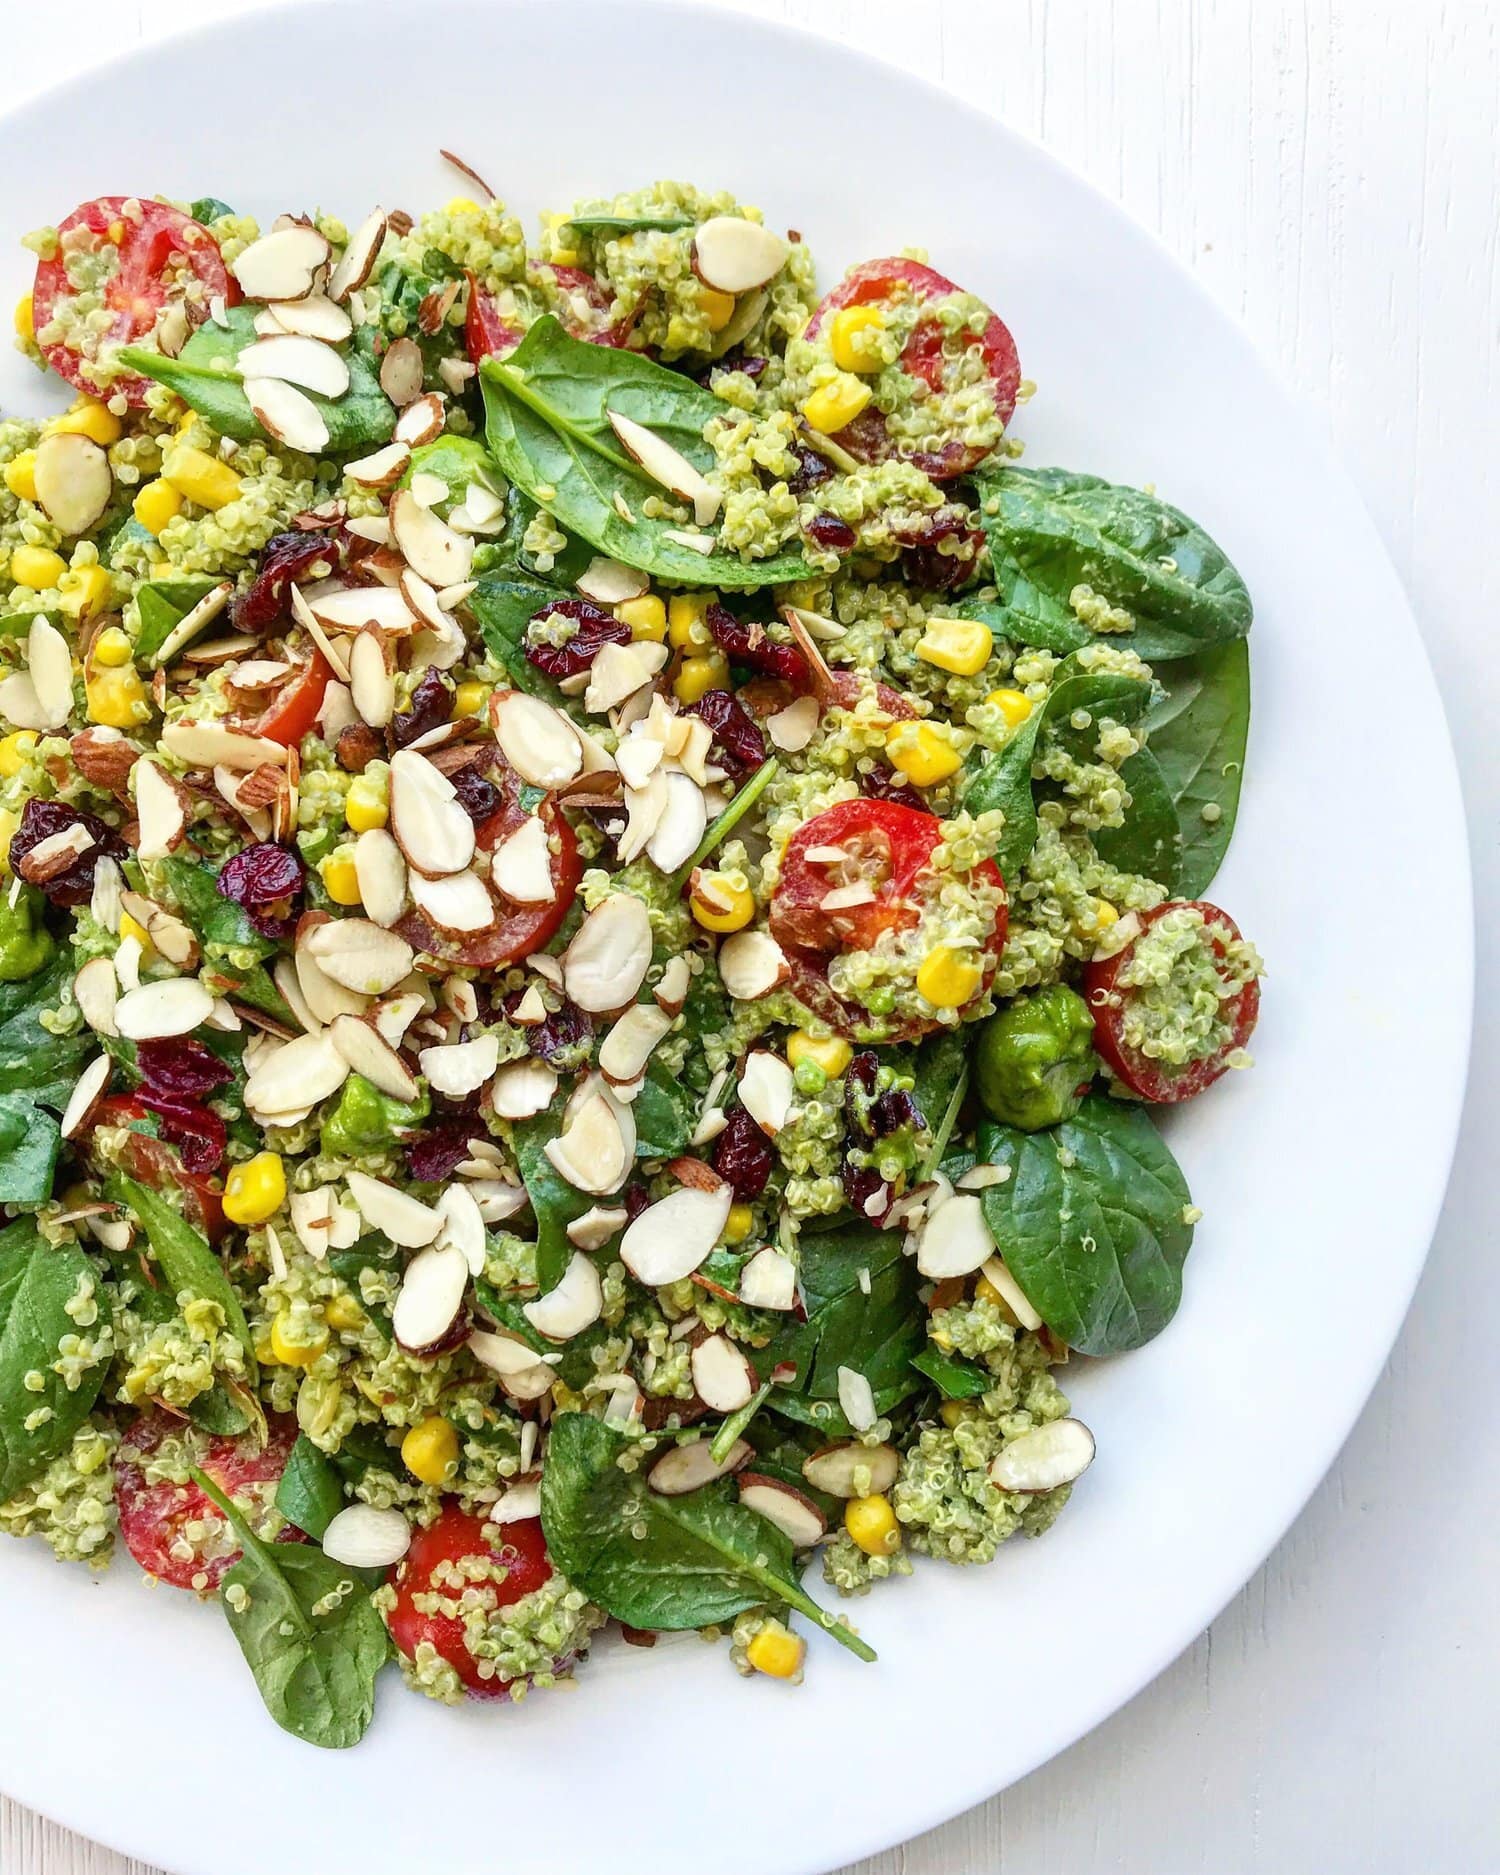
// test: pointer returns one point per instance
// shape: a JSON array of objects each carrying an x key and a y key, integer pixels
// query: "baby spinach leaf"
[
  {"x": 1024, "y": 616},
  {"x": 554, "y": 1202},
  {"x": 37, "y": 1282},
  {"x": 33, "y": 1061},
  {"x": 1147, "y": 839},
  {"x": 307, "y": 1629},
  {"x": 547, "y": 425},
  {"x": 665, "y": 1113},
  {"x": 1198, "y": 735},
  {"x": 184, "y": 1256},
  {"x": 205, "y": 376},
  {"x": 1050, "y": 530},
  {"x": 954, "y": 1378},
  {"x": 29, "y": 1143},
  {"x": 209, "y": 208},
  {"x": 661, "y": 1562},
  {"x": 1094, "y": 1222},
  {"x": 310, "y": 1494},
  {"x": 504, "y": 608},
  {"x": 162, "y": 605},
  {"x": 669, "y": 221}
]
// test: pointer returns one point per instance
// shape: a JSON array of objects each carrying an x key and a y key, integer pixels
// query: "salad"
[{"x": 600, "y": 890}]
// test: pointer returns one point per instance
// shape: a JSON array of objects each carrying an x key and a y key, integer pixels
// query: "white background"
[{"x": 1329, "y": 169}]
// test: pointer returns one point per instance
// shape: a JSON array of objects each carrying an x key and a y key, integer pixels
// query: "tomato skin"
[
  {"x": 152, "y": 1515},
  {"x": 295, "y": 710},
  {"x": 486, "y": 334},
  {"x": 903, "y": 837},
  {"x": 156, "y": 1164},
  {"x": 136, "y": 294},
  {"x": 458, "y": 1534},
  {"x": 1143, "y": 1077}
]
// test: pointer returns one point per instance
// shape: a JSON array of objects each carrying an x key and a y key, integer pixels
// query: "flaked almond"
[
  {"x": 175, "y": 940},
  {"x": 523, "y": 1088},
  {"x": 538, "y": 741},
  {"x": 482, "y": 510},
  {"x": 294, "y": 360},
  {"x": 325, "y": 998},
  {"x": 676, "y": 980},
  {"x": 644, "y": 808},
  {"x": 682, "y": 1469},
  {"x": 766, "y": 1090},
  {"x": 520, "y": 1372},
  {"x": 394, "y": 1015},
  {"x": 498, "y": 1198},
  {"x": 627, "y": 1048},
  {"x": 458, "y": 1069},
  {"x": 666, "y": 465},
  {"x": 637, "y": 759},
  {"x": 955, "y": 1239},
  {"x": 359, "y": 954},
  {"x": 697, "y": 543},
  {"x": 96, "y": 990},
  {"x": 722, "y": 1376},
  {"x": 736, "y": 256},
  {"x": 211, "y": 745},
  {"x": 294, "y": 1076},
  {"x": 1011, "y": 1293},
  {"x": 323, "y": 1221},
  {"x": 287, "y": 415},
  {"x": 316, "y": 317},
  {"x": 383, "y": 469},
  {"x": 351, "y": 608},
  {"x": 522, "y": 865},
  {"x": 459, "y": 904},
  {"x": 104, "y": 900},
  {"x": 607, "y": 961},
  {"x": 1044, "y": 1458},
  {"x": 222, "y": 650},
  {"x": 670, "y": 1238},
  {"x": 611, "y": 582},
  {"x": 372, "y": 682},
  {"x": 598, "y": 1225},
  {"x": 521, "y": 1500},
  {"x": 54, "y": 855},
  {"x": 428, "y": 545},
  {"x": 73, "y": 481},
  {"x": 421, "y": 421},
  {"x": 852, "y": 1470},
  {"x": 751, "y": 964},
  {"x": 86, "y": 1094},
  {"x": 792, "y": 1512},
  {"x": 424, "y": 601},
  {"x": 394, "y": 1213},
  {"x": 427, "y": 819},
  {"x": 684, "y": 819},
  {"x": 368, "y": 1053},
  {"x": 794, "y": 727},
  {"x": 380, "y": 872},
  {"x": 362, "y": 1537},
  {"x": 575, "y": 1303},
  {"x": 531, "y": 1011},
  {"x": 856, "y": 1398},
  {"x": 462, "y": 1226},
  {"x": 430, "y": 1304},
  {"x": 358, "y": 258},
  {"x": 284, "y": 976},
  {"x": 592, "y": 1152},
  {"x": 161, "y": 811},
  {"x": 282, "y": 265},
  {"x": 769, "y": 1281},
  {"x": 156, "y": 1011},
  {"x": 618, "y": 671}
]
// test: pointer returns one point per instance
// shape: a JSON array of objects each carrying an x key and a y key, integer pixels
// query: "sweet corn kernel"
[
  {"x": 156, "y": 504},
  {"x": 25, "y": 323},
  {"x": 837, "y": 404},
  {"x": 646, "y": 617},
  {"x": 84, "y": 589},
  {"x": 923, "y": 754},
  {"x": 20, "y": 475},
  {"x": 112, "y": 648},
  {"x": 344, "y": 1314},
  {"x": 116, "y": 698},
  {"x": 1013, "y": 705},
  {"x": 14, "y": 750},
  {"x": 717, "y": 903},
  {"x": 366, "y": 806},
  {"x": 37, "y": 567},
  {"x": 960, "y": 645},
  {"x": 89, "y": 418},
  {"x": 685, "y": 628},
  {"x": 294, "y": 1353},
  {"x": 200, "y": 477},
  {"x": 844, "y": 335},
  {"x": 1105, "y": 914},
  {"x": 469, "y": 699},
  {"x": 133, "y": 928},
  {"x": 560, "y": 255},
  {"x": 951, "y": 1412},
  {"x": 255, "y": 1190},
  {"x": 340, "y": 877},
  {"x": 739, "y": 1224},
  {"x": 718, "y": 308},
  {"x": 830, "y": 1052},
  {"x": 700, "y": 675},
  {"x": 777, "y": 1652},
  {"x": 948, "y": 978},
  {"x": 872, "y": 1524},
  {"x": 461, "y": 205},
  {"x": 430, "y": 1451}
]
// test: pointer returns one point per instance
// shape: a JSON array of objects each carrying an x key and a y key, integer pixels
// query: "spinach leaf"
[
  {"x": 1147, "y": 839},
  {"x": 954, "y": 1377},
  {"x": 547, "y": 426},
  {"x": 209, "y": 208},
  {"x": 184, "y": 1256},
  {"x": 310, "y": 1494},
  {"x": 307, "y": 1629},
  {"x": 161, "y": 606},
  {"x": 1024, "y": 617},
  {"x": 668, "y": 220},
  {"x": 33, "y": 1061},
  {"x": 1050, "y": 530},
  {"x": 661, "y": 1562},
  {"x": 503, "y": 609},
  {"x": 37, "y": 1282},
  {"x": 937, "y": 1067},
  {"x": 1093, "y": 1220},
  {"x": 576, "y": 1366},
  {"x": 29, "y": 1144},
  {"x": 204, "y": 375},
  {"x": 665, "y": 1114},
  {"x": 1198, "y": 735},
  {"x": 216, "y": 919},
  {"x": 554, "y": 1202}
]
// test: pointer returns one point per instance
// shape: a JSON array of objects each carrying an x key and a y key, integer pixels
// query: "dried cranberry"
[
  {"x": 195, "y": 1130},
  {"x": 181, "y": 1069},
  {"x": 859, "y": 1091},
  {"x": 892, "y": 1111},
  {"x": 882, "y": 785},
  {"x": 861, "y": 1182},
  {"x": 827, "y": 530},
  {"x": 431, "y": 703},
  {"x": 286, "y": 559},
  {"x": 743, "y": 1156},
  {"x": 595, "y": 630},
  {"x": 812, "y": 470},
  {"x": 749, "y": 645},
  {"x": 636, "y": 1199},
  {"x": 739, "y": 744},
  {"x": 74, "y": 885},
  {"x": 478, "y": 797},
  {"x": 264, "y": 880},
  {"x": 923, "y": 562},
  {"x": 564, "y": 1040},
  {"x": 433, "y": 1156}
]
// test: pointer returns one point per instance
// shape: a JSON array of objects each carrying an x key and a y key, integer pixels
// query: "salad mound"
[{"x": 599, "y": 889}]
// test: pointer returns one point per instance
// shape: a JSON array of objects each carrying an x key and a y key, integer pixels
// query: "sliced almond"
[
  {"x": 49, "y": 661},
  {"x": 522, "y": 865},
  {"x": 638, "y": 758},
  {"x": 430, "y": 1303},
  {"x": 294, "y": 360},
  {"x": 287, "y": 415},
  {"x": 394, "y": 1015},
  {"x": 627, "y": 1048},
  {"x": 429, "y": 546},
  {"x": 458, "y": 1069},
  {"x": 670, "y": 1238},
  {"x": 362, "y": 1537},
  {"x": 644, "y": 808},
  {"x": 574, "y": 1304},
  {"x": 794, "y": 727},
  {"x": 857, "y": 1399},
  {"x": 766, "y": 1090},
  {"x": 683, "y": 823},
  {"x": 1044, "y": 1458},
  {"x": 462, "y": 1226},
  {"x": 380, "y": 871},
  {"x": 736, "y": 256},
  {"x": 521, "y": 1373},
  {"x": 316, "y": 317},
  {"x": 394, "y": 1213},
  {"x": 368, "y": 1053},
  {"x": 282, "y": 265},
  {"x": 769, "y": 1281},
  {"x": 592, "y": 1152},
  {"x": 96, "y": 990},
  {"x": 698, "y": 543},
  {"x": 523, "y": 1088},
  {"x": 284, "y": 976},
  {"x": 86, "y": 1094},
  {"x": 538, "y": 741},
  {"x": 607, "y": 961},
  {"x": 104, "y": 900},
  {"x": 371, "y": 681},
  {"x": 383, "y": 469},
  {"x": 852, "y": 1470},
  {"x": 722, "y": 1375},
  {"x": 666, "y": 465},
  {"x": 211, "y": 745},
  {"x": 351, "y": 608},
  {"x": 324, "y": 997},
  {"x": 611, "y": 582},
  {"x": 1011, "y": 1293},
  {"x": 175, "y": 940},
  {"x": 421, "y": 421},
  {"x": 358, "y": 258},
  {"x": 793, "y": 1513},
  {"x": 73, "y": 481},
  {"x": 359, "y": 954},
  {"x": 955, "y": 1240},
  {"x": 598, "y": 1225},
  {"x": 618, "y": 671},
  {"x": 401, "y": 371},
  {"x": 294, "y": 1076},
  {"x": 458, "y": 904},
  {"x": 751, "y": 964},
  {"x": 160, "y": 811},
  {"x": 682, "y": 1469},
  {"x": 676, "y": 980},
  {"x": 427, "y": 819},
  {"x": 20, "y": 706},
  {"x": 156, "y": 1011},
  {"x": 312, "y": 1219},
  {"x": 497, "y": 1198}
]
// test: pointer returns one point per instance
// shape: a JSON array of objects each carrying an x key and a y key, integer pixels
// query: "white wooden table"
[{"x": 1330, "y": 169}]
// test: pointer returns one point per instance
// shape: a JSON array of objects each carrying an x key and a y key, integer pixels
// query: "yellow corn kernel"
[
  {"x": 37, "y": 567},
  {"x": 344, "y": 1314},
  {"x": 84, "y": 589},
  {"x": 960, "y": 645},
  {"x": 646, "y": 617},
  {"x": 843, "y": 337},
  {"x": 559, "y": 256},
  {"x": 365, "y": 806},
  {"x": 1013, "y": 705},
  {"x": 699, "y": 675},
  {"x": 718, "y": 308},
  {"x": 685, "y": 628},
  {"x": 255, "y": 1190},
  {"x": 923, "y": 754},
  {"x": 116, "y": 699},
  {"x": 25, "y": 323},
  {"x": 739, "y": 1224},
  {"x": 156, "y": 504},
  {"x": 716, "y": 902},
  {"x": 948, "y": 978},
  {"x": 430, "y": 1451},
  {"x": 831, "y": 1052},
  {"x": 293, "y": 1353},
  {"x": 340, "y": 877},
  {"x": 14, "y": 750},
  {"x": 836, "y": 404},
  {"x": 872, "y": 1524},
  {"x": 20, "y": 475},
  {"x": 469, "y": 699},
  {"x": 200, "y": 477},
  {"x": 461, "y": 205},
  {"x": 112, "y": 648},
  {"x": 951, "y": 1412},
  {"x": 89, "y": 418},
  {"x": 1105, "y": 914},
  {"x": 133, "y": 928},
  {"x": 777, "y": 1652}
]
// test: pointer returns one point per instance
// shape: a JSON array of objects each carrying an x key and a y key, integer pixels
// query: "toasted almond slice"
[
  {"x": 627, "y": 1048},
  {"x": 430, "y": 1304},
  {"x": 382, "y": 469},
  {"x": 676, "y": 979},
  {"x": 618, "y": 671},
  {"x": 86, "y": 1094},
  {"x": 287, "y": 415},
  {"x": 371, "y": 681},
  {"x": 394, "y": 1213},
  {"x": 380, "y": 872},
  {"x": 682, "y": 1469},
  {"x": 176, "y": 941},
  {"x": 458, "y": 1069},
  {"x": 591, "y": 1152},
  {"x": 316, "y": 317},
  {"x": 852, "y": 1470},
  {"x": 1044, "y": 1458},
  {"x": 421, "y": 422},
  {"x": 292, "y": 1077},
  {"x": 358, "y": 258},
  {"x": 211, "y": 745},
  {"x": 50, "y": 663},
  {"x": 221, "y": 650},
  {"x": 684, "y": 820},
  {"x": 54, "y": 855},
  {"x": 401, "y": 371},
  {"x": 793, "y": 1513},
  {"x": 522, "y": 1088},
  {"x": 520, "y": 1501},
  {"x": 355, "y": 608},
  {"x": 522, "y": 865},
  {"x": 670, "y": 1238},
  {"x": 722, "y": 1377},
  {"x": 96, "y": 990},
  {"x": 20, "y": 706},
  {"x": 429, "y": 546},
  {"x": 538, "y": 741},
  {"x": 281, "y": 265},
  {"x": 284, "y": 976},
  {"x": 638, "y": 757},
  {"x": 73, "y": 481},
  {"x": 359, "y": 954},
  {"x": 506, "y": 1355},
  {"x": 737, "y": 256},
  {"x": 128, "y": 963},
  {"x": 598, "y": 1225},
  {"x": 1011, "y": 1292},
  {"x": 313, "y": 625},
  {"x": 158, "y": 1010},
  {"x": 394, "y": 1015},
  {"x": 766, "y": 1090},
  {"x": 294, "y": 360},
  {"x": 751, "y": 964},
  {"x": 427, "y": 818},
  {"x": 497, "y": 1198},
  {"x": 424, "y": 601},
  {"x": 549, "y": 969},
  {"x": 955, "y": 1240},
  {"x": 699, "y": 543},
  {"x": 362, "y": 1537},
  {"x": 324, "y": 997},
  {"x": 459, "y": 903},
  {"x": 312, "y": 1219},
  {"x": 769, "y": 1281},
  {"x": 456, "y": 374},
  {"x": 607, "y": 961},
  {"x": 611, "y": 582},
  {"x": 258, "y": 674},
  {"x": 159, "y": 811},
  {"x": 368, "y": 1053},
  {"x": 104, "y": 900},
  {"x": 857, "y": 1398},
  {"x": 794, "y": 727},
  {"x": 644, "y": 808},
  {"x": 462, "y": 1227},
  {"x": 846, "y": 897},
  {"x": 575, "y": 1303},
  {"x": 666, "y": 465}
]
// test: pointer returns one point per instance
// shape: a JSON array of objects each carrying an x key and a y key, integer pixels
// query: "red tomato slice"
[
  {"x": 866, "y": 438},
  {"x": 162, "y": 253},
  {"x": 895, "y": 843},
  {"x": 594, "y": 326},
  {"x": 156, "y": 1164},
  {"x": 486, "y": 334},
  {"x": 295, "y": 710},
  {"x": 1148, "y": 1079},
  {"x": 457, "y": 1536},
  {"x": 154, "y": 1515}
]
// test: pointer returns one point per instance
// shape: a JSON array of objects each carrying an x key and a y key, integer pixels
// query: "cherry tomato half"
[
  {"x": 158, "y": 1165},
  {"x": 486, "y": 334},
  {"x": 295, "y": 710},
  {"x": 154, "y": 1515},
  {"x": 586, "y": 309},
  {"x": 160, "y": 255},
  {"x": 877, "y": 281},
  {"x": 457, "y": 1536},
  {"x": 1153, "y": 1080}
]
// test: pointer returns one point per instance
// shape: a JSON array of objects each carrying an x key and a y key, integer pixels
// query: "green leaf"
[
  {"x": 504, "y": 608},
  {"x": 310, "y": 1494},
  {"x": 1050, "y": 530},
  {"x": 661, "y": 1562},
  {"x": 33, "y": 1061},
  {"x": 184, "y": 1256},
  {"x": 1024, "y": 616},
  {"x": 547, "y": 425},
  {"x": 1198, "y": 735},
  {"x": 1147, "y": 840},
  {"x": 308, "y": 1630},
  {"x": 162, "y": 605},
  {"x": 954, "y": 1378},
  {"x": 204, "y": 376},
  {"x": 29, "y": 1144},
  {"x": 554, "y": 1202},
  {"x": 1093, "y": 1223},
  {"x": 37, "y": 1282},
  {"x": 209, "y": 208},
  {"x": 665, "y": 1113},
  {"x": 669, "y": 221}
]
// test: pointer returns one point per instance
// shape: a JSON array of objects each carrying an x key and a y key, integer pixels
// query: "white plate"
[{"x": 129, "y": 1714}]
